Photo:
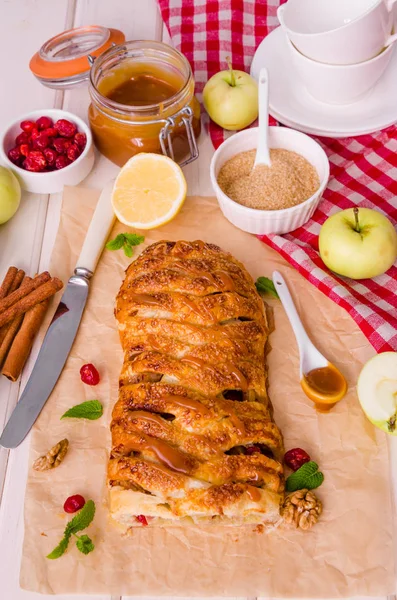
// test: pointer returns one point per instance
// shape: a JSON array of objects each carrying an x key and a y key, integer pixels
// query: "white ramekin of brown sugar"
[{"x": 295, "y": 212}]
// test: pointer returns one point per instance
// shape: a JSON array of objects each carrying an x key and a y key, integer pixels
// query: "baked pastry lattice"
[{"x": 193, "y": 437}]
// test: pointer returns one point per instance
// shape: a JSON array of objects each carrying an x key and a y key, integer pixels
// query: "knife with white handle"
[{"x": 63, "y": 328}]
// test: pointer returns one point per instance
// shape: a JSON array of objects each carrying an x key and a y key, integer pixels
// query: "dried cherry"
[
  {"x": 24, "y": 149},
  {"x": 45, "y": 146},
  {"x": 15, "y": 155},
  {"x": 50, "y": 156},
  {"x": 73, "y": 503},
  {"x": 27, "y": 126},
  {"x": 142, "y": 519},
  {"x": 252, "y": 450},
  {"x": 42, "y": 141},
  {"x": 35, "y": 161},
  {"x": 88, "y": 373},
  {"x": 61, "y": 162},
  {"x": 295, "y": 458},
  {"x": 51, "y": 132},
  {"x": 81, "y": 140},
  {"x": 59, "y": 145},
  {"x": 65, "y": 128},
  {"x": 44, "y": 123},
  {"x": 73, "y": 152},
  {"x": 22, "y": 138}
]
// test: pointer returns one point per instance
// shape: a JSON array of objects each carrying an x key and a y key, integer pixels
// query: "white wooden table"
[{"x": 27, "y": 240}]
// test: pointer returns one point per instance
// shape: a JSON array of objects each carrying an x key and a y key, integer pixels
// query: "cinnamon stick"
[
  {"x": 18, "y": 294},
  {"x": 7, "y": 282},
  {"x": 17, "y": 281},
  {"x": 9, "y": 331},
  {"x": 10, "y": 334},
  {"x": 15, "y": 284},
  {"x": 22, "y": 344},
  {"x": 28, "y": 300}
]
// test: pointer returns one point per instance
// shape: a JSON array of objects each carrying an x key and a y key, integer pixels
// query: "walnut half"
[
  {"x": 53, "y": 458},
  {"x": 301, "y": 509}
]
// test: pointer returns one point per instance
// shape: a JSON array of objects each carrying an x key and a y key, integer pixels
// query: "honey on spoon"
[
  {"x": 325, "y": 386},
  {"x": 321, "y": 381}
]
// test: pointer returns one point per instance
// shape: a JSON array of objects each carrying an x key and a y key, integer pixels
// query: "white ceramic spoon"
[
  {"x": 310, "y": 358},
  {"x": 262, "y": 152}
]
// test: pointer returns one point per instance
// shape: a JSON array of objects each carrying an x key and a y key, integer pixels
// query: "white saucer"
[{"x": 291, "y": 104}]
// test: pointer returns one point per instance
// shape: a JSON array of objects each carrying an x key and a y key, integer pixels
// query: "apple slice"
[{"x": 377, "y": 391}]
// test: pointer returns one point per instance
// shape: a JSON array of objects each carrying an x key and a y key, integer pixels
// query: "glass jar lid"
[{"x": 65, "y": 60}]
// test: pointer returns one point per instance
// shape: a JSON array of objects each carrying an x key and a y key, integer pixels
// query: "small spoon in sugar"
[{"x": 262, "y": 152}]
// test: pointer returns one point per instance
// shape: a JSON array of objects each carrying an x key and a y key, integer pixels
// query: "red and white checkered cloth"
[{"x": 363, "y": 169}]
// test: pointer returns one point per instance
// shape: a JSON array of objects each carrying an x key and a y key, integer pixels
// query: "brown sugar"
[{"x": 290, "y": 180}]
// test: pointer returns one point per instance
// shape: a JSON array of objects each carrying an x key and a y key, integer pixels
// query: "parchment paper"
[{"x": 349, "y": 553}]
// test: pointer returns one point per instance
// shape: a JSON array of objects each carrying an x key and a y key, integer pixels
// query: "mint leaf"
[
  {"x": 306, "y": 477},
  {"x": 117, "y": 243},
  {"x": 60, "y": 549},
  {"x": 134, "y": 239},
  {"x": 125, "y": 241},
  {"x": 84, "y": 544},
  {"x": 92, "y": 410},
  {"x": 82, "y": 519},
  {"x": 79, "y": 522},
  {"x": 266, "y": 286},
  {"x": 128, "y": 251}
]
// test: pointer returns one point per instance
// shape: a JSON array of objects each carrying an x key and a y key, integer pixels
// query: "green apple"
[
  {"x": 377, "y": 391},
  {"x": 358, "y": 243},
  {"x": 10, "y": 194},
  {"x": 231, "y": 99}
]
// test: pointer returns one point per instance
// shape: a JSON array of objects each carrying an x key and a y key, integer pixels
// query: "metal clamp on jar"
[{"x": 186, "y": 114}]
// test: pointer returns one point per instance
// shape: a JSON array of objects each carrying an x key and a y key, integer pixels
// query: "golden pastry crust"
[{"x": 193, "y": 438}]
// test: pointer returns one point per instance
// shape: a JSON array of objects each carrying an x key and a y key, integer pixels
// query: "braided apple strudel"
[{"x": 193, "y": 437}]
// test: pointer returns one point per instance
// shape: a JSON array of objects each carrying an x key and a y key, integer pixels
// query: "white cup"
[
  {"x": 339, "y": 84},
  {"x": 338, "y": 32}
]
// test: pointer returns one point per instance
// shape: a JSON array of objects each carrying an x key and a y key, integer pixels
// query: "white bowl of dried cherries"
[
  {"x": 275, "y": 199},
  {"x": 47, "y": 149}
]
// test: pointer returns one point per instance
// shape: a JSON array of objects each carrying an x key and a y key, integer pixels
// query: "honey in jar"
[
  {"x": 143, "y": 87},
  {"x": 142, "y": 100}
]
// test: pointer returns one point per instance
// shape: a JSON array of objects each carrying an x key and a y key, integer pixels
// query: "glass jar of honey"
[{"x": 142, "y": 100}]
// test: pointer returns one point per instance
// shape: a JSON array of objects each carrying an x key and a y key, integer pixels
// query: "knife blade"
[{"x": 62, "y": 331}]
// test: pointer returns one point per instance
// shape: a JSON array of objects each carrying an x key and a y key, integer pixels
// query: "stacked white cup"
[{"x": 339, "y": 48}]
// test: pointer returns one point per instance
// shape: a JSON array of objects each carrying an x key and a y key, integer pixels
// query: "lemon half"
[{"x": 149, "y": 191}]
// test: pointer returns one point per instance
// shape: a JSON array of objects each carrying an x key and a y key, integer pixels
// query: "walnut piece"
[
  {"x": 301, "y": 509},
  {"x": 53, "y": 458}
]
